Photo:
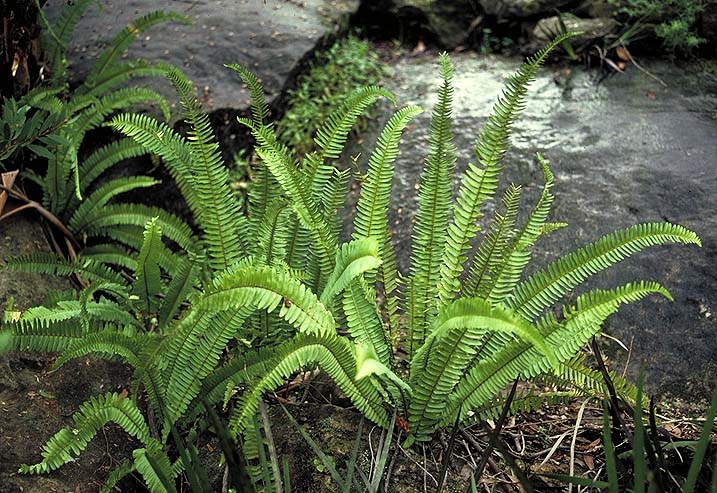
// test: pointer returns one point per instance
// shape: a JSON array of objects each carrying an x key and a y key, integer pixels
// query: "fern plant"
[
  {"x": 473, "y": 325},
  {"x": 52, "y": 122},
  {"x": 255, "y": 297}
]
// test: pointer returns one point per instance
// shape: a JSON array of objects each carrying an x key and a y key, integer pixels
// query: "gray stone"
[
  {"x": 269, "y": 38},
  {"x": 624, "y": 151},
  {"x": 521, "y": 9},
  {"x": 592, "y": 29}
]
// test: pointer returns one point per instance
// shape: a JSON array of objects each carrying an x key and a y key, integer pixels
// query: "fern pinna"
[{"x": 275, "y": 291}]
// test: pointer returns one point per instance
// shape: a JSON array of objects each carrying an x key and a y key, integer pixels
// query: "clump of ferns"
[
  {"x": 257, "y": 297},
  {"x": 52, "y": 121}
]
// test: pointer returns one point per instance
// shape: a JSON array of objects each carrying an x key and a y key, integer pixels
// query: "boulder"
[
  {"x": 443, "y": 23},
  {"x": 592, "y": 29},
  {"x": 521, "y": 9}
]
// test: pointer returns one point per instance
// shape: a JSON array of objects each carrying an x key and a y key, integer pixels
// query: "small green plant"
[
  {"x": 676, "y": 19},
  {"x": 52, "y": 122},
  {"x": 349, "y": 64}
]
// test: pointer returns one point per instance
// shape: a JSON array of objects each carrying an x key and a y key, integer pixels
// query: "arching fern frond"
[
  {"x": 550, "y": 283},
  {"x": 153, "y": 464},
  {"x": 259, "y": 108},
  {"x": 352, "y": 259},
  {"x": 266, "y": 288},
  {"x": 334, "y": 354},
  {"x": 93, "y": 415},
  {"x": 52, "y": 264}
]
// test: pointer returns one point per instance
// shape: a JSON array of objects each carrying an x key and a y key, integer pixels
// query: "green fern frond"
[
  {"x": 153, "y": 464},
  {"x": 442, "y": 361},
  {"x": 550, "y": 283},
  {"x": 93, "y": 415},
  {"x": 434, "y": 208},
  {"x": 54, "y": 265},
  {"x": 147, "y": 283},
  {"x": 178, "y": 291},
  {"x": 110, "y": 253},
  {"x": 100, "y": 197},
  {"x": 518, "y": 256},
  {"x": 272, "y": 234},
  {"x": 480, "y": 182},
  {"x": 127, "y": 214},
  {"x": 119, "y": 73},
  {"x": 195, "y": 357},
  {"x": 265, "y": 288},
  {"x": 112, "y": 344},
  {"x": 363, "y": 320},
  {"x": 124, "y": 38},
  {"x": 107, "y": 156},
  {"x": 220, "y": 217},
  {"x": 524, "y": 401},
  {"x": 488, "y": 258},
  {"x": 331, "y": 137},
  {"x": 259, "y": 108},
  {"x": 371, "y": 220},
  {"x": 520, "y": 360},
  {"x": 59, "y": 35},
  {"x": 95, "y": 115},
  {"x": 334, "y": 354},
  {"x": 352, "y": 259},
  {"x": 125, "y": 468}
]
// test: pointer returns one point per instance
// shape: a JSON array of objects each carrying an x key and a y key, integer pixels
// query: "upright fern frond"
[
  {"x": 259, "y": 108},
  {"x": 480, "y": 182},
  {"x": 147, "y": 285},
  {"x": 434, "y": 205},
  {"x": 220, "y": 217},
  {"x": 59, "y": 35}
]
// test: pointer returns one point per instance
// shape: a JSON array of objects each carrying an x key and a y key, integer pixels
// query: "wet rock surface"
[
  {"x": 520, "y": 9},
  {"x": 624, "y": 151},
  {"x": 269, "y": 38}
]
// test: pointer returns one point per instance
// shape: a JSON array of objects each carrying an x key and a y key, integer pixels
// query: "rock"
[
  {"x": 624, "y": 151},
  {"x": 521, "y": 9},
  {"x": 708, "y": 22},
  {"x": 595, "y": 8},
  {"x": 592, "y": 29},
  {"x": 269, "y": 38},
  {"x": 444, "y": 23}
]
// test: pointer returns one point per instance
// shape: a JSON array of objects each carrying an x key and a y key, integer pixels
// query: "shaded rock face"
[
  {"x": 268, "y": 38},
  {"x": 521, "y": 9},
  {"x": 624, "y": 151},
  {"x": 546, "y": 29},
  {"x": 445, "y": 24}
]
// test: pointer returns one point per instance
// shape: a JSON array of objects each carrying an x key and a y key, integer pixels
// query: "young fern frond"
[
  {"x": 59, "y": 35},
  {"x": 266, "y": 288},
  {"x": 125, "y": 38},
  {"x": 259, "y": 108},
  {"x": 147, "y": 276},
  {"x": 100, "y": 197},
  {"x": 434, "y": 209},
  {"x": 352, "y": 260},
  {"x": 93, "y": 415},
  {"x": 480, "y": 183},
  {"x": 178, "y": 291}
]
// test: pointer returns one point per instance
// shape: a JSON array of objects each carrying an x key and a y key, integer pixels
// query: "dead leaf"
[
  {"x": 651, "y": 95},
  {"x": 622, "y": 53},
  {"x": 419, "y": 48},
  {"x": 589, "y": 462},
  {"x": 8, "y": 180}
]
